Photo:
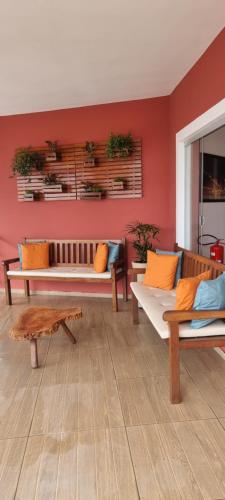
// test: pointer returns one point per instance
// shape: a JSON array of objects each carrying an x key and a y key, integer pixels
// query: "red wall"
[
  {"x": 147, "y": 119},
  {"x": 156, "y": 121},
  {"x": 200, "y": 89}
]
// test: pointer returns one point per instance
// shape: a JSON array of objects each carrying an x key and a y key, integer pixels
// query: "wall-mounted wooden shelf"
[{"x": 72, "y": 170}]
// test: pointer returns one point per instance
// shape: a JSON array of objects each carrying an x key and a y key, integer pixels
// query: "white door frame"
[{"x": 212, "y": 119}]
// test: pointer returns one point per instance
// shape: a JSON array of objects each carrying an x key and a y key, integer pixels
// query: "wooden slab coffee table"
[{"x": 37, "y": 322}]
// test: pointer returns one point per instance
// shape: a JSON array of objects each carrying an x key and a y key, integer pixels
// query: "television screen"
[{"x": 213, "y": 178}]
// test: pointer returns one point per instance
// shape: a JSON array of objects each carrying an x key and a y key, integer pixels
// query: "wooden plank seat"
[
  {"x": 174, "y": 326},
  {"x": 72, "y": 261},
  {"x": 37, "y": 322}
]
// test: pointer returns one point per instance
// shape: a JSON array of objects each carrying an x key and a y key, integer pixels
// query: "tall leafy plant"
[
  {"x": 143, "y": 236},
  {"x": 120, "y": 146},
  {"x": 25, "y": 160}
]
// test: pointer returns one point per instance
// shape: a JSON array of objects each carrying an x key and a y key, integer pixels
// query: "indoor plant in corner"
[{"x": 143, "y": 234}]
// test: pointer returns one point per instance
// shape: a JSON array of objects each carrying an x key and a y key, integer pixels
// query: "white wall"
[
  {"x": 214, "y": 213},
  {"x": 215, "y": 143}
]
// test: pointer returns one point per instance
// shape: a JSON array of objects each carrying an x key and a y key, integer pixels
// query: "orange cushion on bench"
[
  {"x": 161, "y": 271},
  {"x": 186, "y": 290},
  {"x": 35, "y": 256},
  {"x": 101, "y": 258}
]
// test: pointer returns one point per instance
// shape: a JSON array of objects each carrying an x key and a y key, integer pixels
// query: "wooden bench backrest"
[
  {"x": 76, "y": 252},
  {"x": 194, "y": 264}
]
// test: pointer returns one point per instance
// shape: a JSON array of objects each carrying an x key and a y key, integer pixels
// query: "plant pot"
[
  {"x": 118, "y": 185},
  {"x": 140, "y": 277},
  {"x": 31, "y": 197},
  {"x": 51, "y": 157},
  {"x": 53, "y": 188},
  {"x": 90, "y": 195},
  {"x": 90, "y": 162}
]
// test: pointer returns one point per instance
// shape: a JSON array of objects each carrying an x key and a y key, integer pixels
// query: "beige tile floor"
[{"x": 94, "y": 422}]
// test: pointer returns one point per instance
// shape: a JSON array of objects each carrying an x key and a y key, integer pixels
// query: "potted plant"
[
  {"x": 52, "y": 154},
  {"x": 51, "y": 183},
  {"x": 120, "y": 146},
  {"x": 142, "y": 242},
  {"x": 119, "y": 183},
  {"x": 31, "y": 195},
  {"x": 90, "y": 149},
  {"x": 25, "y": 160},
  {"x": 92, "y": 191}
]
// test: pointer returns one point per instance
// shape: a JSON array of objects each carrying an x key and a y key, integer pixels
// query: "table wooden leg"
[
  {"x": 68, "y": 332},
  {"x": 33, "y": 353}
]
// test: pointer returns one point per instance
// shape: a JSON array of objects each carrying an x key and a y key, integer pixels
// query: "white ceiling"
[{"x": 60, "y": 54}]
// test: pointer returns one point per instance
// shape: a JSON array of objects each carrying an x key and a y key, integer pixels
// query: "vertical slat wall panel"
[{"x": 72, "y": 172}]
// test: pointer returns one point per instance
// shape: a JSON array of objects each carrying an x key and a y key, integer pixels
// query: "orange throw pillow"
[
  {"x": 186, "y": 290},
  {"x": 161, "y": 271},
  {"x": 101, "y": 258},
  {"x": 35, "y": 256}
]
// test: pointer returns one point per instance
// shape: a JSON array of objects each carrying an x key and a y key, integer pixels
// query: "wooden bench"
[
  {"x": 70, "y": 261},
  {"x": 173, "y": 326}
]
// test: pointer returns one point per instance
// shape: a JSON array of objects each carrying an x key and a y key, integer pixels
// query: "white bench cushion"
[
  {"x": 61, "y": 272},
  {"x": 155, "y": 302}
]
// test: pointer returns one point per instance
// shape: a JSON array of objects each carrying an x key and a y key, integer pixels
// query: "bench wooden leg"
[
  {"x": 135, "y": 309},
  {"x": 68, "y": 332},
  {"x": 33, "y": 353},
  {"x": 8, "y": 293},
  {"x": 27, "y": 288},
  {"x": 114, "y": 292},
  {"x": 174, "y": 360},
  {"x": 125, "y": 287}
]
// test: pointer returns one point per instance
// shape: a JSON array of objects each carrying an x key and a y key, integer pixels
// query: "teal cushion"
[
  {"x": 179, "y": 265},
  {"x": 210, "y": 296},
  {"x": 114, "y": 252}
]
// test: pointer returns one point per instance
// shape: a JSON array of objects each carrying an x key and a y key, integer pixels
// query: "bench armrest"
[
  {"x": 7, "y": 262},
  {"x": 179, "y": 316}
]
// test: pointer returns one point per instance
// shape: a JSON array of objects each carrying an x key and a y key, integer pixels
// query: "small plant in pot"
[
  {"x": 92, "y": 191},
  {"x": 51, "y": 183},
  {"x": 31, "y": 195},
  {"x": 119, "y": 183},
  {"x": 144, "y": 234},
  {"x": 90, "y": 149},
  {"x": 26, "y": 160},
  {"x": 119, "y": 146},
  {"x": 52, "y": 154}
]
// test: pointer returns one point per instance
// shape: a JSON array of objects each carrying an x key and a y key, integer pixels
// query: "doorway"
[
  {"x": 211, "y": 189},
  {"x": 208, "y": 122}
]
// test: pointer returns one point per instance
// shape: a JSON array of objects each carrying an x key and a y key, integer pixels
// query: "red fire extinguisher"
[{"x": 217, "y": 252}]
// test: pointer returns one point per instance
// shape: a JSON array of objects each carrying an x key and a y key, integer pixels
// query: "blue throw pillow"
[
  {"x": 179, "y": 265},
  {"x": 114, "y": 252},
  {"x": 20, "y": 254},
  {"x": 210, "y": 296}
]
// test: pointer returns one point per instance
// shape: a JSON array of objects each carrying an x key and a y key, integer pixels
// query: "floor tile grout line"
[
  {"x": 28, "y": 436},
  {"x": 202, "y": 395},
  {"x": 132, "y": 463}
]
